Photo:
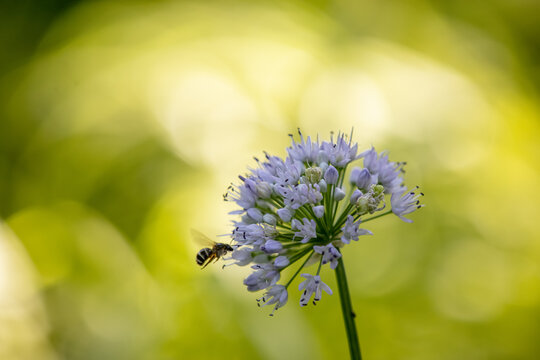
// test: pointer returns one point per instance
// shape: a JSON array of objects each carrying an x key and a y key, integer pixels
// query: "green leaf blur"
[{"x": 123, "y": 122}]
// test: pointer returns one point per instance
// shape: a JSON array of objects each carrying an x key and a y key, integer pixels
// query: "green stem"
[
  {"x": 348, "y": 314},
  {"x": 319, "y": 268},
  {"x": 297, "y": 271},
  {"x": 377, "y": 216}
]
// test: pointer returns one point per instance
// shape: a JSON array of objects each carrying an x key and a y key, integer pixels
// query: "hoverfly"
[{"x": 213, "y": 252}]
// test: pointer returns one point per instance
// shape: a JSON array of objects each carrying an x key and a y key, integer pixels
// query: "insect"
[{"x": 207, "y": 254}]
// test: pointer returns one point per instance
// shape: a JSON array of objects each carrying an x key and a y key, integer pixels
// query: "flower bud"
[
  {"x": 378, "y": 190},
  {"x": 354, "y": 175},
  {"x": 362, "y": 205},
  {"x": 261, "y": 259},
  {"x": 363, "y": 179},
  {"x": 264, "y": 190},
  {"x": 323, "y": 186},
  {"x": 313, "y": 175},
  {"x": 255, "y": 214},
  {"x": 281, "y": 261},
  {"x": 331, "y": 175},
  {"x": 339, "y": 194},
  {"x": 319, "y": 211},
  {"x": 271, "y": 246},
  {"x": 269, "y": 219},
  {"x": 355, "y": 195},
  {"x": 284, "y": 214}
]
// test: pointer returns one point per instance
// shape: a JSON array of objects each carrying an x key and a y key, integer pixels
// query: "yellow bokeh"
[{"x": 121, "y": 131}]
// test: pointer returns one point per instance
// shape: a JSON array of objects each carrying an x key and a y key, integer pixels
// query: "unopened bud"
[
  {"x": 313, "y": 175},
  {"x": 264, "y": 190},
  {"x": 339, "y": 194},
  {"x": 331, "y": 175},
  {"x": 363, "y": 179},
  {"x": 269, "y": 219},
  {"x": 319, "y": 211}
]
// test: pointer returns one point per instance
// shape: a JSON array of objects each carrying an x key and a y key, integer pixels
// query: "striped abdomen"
[{"x": 203, "y": 255}]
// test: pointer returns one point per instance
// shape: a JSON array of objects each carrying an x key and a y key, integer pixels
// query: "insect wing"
[{"x": 201, "y": 239}]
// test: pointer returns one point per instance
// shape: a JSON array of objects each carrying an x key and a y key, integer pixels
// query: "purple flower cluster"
[{"x": 301, "y": 207}]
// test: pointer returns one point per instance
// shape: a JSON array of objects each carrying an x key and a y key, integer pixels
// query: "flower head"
[{"x": 300, "y": 207}]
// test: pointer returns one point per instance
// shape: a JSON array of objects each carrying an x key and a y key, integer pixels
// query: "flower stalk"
[{"x": 347, "y": 310}]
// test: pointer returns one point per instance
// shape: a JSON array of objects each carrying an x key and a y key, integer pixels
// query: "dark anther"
[{"x": 353, "y": 314}]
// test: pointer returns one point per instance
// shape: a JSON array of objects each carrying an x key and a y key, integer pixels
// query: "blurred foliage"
[{"x": 122, "y": 123}]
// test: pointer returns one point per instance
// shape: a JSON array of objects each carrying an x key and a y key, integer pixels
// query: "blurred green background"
[{"x": 123, "y": 122}]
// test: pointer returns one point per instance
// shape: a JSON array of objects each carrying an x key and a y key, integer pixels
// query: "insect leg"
[{"x": 208, "y": 261}]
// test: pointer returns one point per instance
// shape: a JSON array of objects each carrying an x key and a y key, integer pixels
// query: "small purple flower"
[
  {"x": 307, "y": 230},
  {"x": 329, "y": 254},
  {"x": 276, "y": 295},
  {"x": 264, "y": 276},
  {"x": 405, "y": 204},
  {"x": 311, "y": 285},
  {"x": 351, "y": 230}
]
